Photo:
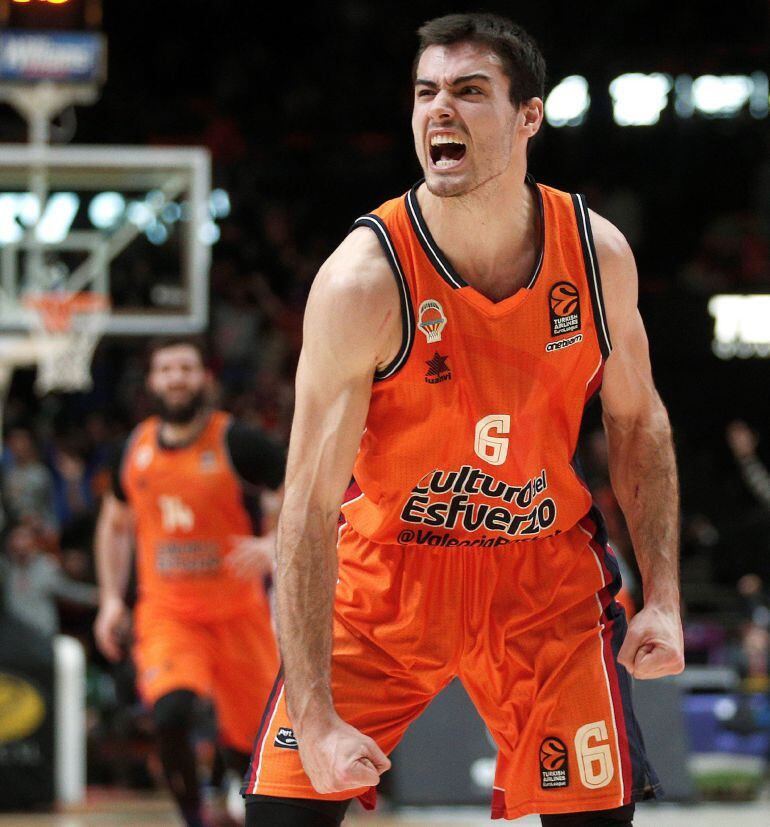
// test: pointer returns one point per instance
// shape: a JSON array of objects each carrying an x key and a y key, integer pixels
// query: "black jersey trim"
[
  {"x": 592, "y": 273},
  {"x": 541, "y": 209},
  {"x": 380, "y": 229},
  {"x": 436, "y": 256},
  {"x": 432, "y": 250}
]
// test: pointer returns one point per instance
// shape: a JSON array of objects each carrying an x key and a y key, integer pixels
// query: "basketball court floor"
[{"x": 156, "y": 812}]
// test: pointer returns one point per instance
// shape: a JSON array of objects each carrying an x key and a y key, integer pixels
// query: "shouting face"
[{"x": 466, "y": 129}]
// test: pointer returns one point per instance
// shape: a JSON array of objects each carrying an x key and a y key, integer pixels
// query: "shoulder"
[
  {"x": 356, "y": 271},
  {"x": 616, "y": 265},
  {"x": 609, "y": 241},
  {"x": 354, "y": 307}
]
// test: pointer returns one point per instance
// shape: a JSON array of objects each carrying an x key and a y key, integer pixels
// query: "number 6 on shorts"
[{"x": 594, "y": 760}]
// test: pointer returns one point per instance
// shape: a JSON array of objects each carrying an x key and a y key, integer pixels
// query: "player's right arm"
[
  {"x": 113, "y": 547},
  {"x": 352, "y": 326}
]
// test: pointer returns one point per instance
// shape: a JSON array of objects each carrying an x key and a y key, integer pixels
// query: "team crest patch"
[
  {"x": 554, "y": 767},
  {"x": 285, "y": 739},
  {"x": 564, "y": 306},
  {"x": 431, "y": 320},
  {"x": 438, "y": 369}
]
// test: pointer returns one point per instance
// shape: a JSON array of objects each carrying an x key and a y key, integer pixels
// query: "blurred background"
[{"x": 658, "y": 112}]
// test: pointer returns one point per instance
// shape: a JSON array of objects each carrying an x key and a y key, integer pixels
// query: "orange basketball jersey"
[
  {"x": 472, "y": 428},
  {"x": 189, "y": 507}
]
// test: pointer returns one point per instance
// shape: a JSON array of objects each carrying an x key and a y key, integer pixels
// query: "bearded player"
[
  {"x": 202, "y": 624},
  {"x": 451, "y": 345}
]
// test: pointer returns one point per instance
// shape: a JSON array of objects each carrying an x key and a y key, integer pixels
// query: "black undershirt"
[{"x": 257, "y": 458}]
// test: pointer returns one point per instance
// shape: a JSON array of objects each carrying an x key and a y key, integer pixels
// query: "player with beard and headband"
[
  {"x": 451, "y": 344},
  {"x": 202, "y": 625}
]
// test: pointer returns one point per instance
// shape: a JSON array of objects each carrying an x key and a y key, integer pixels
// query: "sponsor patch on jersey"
[
  {"x": 564, "y": 307},
  {"x": 143, "y": 456},
  {"x": 285, "y": 739},
  {"x": 431, "y": 320},
  {"x": 455, "y": 500},
  {"x": 554, "y": 764},
  {"x": 208, "y": 461},
  {"x": 560, "y": 344},
  {"x": 438, "y": 369}
]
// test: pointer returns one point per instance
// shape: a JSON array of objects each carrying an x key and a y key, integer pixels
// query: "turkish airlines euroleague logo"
[
  {"x": 553, "y": 764},
  {"x": 564, "y": 305}
]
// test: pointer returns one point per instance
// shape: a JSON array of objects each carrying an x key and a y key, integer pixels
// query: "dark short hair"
[
  {"x": 182, "y": 340},
  {"x": 523, "y": 63}
]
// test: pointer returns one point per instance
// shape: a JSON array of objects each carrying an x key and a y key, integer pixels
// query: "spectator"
[
  {"x": 743, "y": 443},
  {"x": 32, "y": 581},
  {"x": 28, "y": 487}
]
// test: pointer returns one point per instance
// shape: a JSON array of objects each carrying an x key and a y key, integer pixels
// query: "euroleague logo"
[
  {"x": 564, "y": 306},
  {"x": 553, "y": 764}
]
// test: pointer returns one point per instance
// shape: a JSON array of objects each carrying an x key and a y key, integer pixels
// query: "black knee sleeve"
[
  {"x": 269, "y": 811},
  {"x": 595, "y": 818},
  {"x": 176, "y": 710}
]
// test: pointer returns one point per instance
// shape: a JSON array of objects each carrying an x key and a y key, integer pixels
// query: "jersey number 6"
[
  {"x": 594, "y": 759},
  {"x": 493, "y": 449}
]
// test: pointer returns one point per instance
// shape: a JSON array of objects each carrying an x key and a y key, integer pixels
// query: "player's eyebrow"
[{"x": 455, "y": 82}]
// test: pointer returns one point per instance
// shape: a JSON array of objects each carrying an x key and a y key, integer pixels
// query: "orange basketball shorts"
[
  {"x": 231, "y": 661},
  {"x": 532, "y": 631}
]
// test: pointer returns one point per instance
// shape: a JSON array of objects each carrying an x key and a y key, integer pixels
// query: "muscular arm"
[
  {"x": 113, "y": 547},
  {"x": 352, "y": 325},
  {"x": 642, "y": 462}
]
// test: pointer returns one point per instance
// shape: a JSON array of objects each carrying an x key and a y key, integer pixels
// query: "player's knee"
[
  {"x": 268, "y": 811},
  {"x": 595, "y": 818},
  {"x": 175, "y": 710}
]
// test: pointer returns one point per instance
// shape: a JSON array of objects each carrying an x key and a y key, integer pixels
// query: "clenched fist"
[
  {"x": 654, "y": 644},
  {"x": 338, "y": 757}
]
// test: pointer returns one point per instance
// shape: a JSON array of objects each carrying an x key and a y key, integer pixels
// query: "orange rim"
[{"x": 56, "y": 309}]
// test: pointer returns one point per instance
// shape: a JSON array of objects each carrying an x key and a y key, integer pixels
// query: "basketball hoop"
[{"x": 67, "y": 329}]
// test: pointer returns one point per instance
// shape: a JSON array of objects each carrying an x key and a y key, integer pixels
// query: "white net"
[{"x": 68, "y": 328}]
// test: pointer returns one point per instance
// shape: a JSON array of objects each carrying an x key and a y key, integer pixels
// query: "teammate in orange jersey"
[
  {"x": 202, "y": 622},
  {"x": 451, "y": 345}
]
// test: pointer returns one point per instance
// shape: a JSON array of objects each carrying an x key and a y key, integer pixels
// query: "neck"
[
  {"x": 490, "y": 235},
  {"x": 175, "y": 433}
]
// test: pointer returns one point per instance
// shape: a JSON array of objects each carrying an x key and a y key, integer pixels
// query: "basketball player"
[
  {"x": 202, "y": 623},
  {"x": 451, "y": 345}
]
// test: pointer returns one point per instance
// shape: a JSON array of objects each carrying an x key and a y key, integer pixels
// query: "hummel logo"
[
  {"x": 438, "y": 369},
  {"x": 285, "y": 738}
]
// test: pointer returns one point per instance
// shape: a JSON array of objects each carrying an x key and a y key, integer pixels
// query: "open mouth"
[{"x": 446, "y": 151}]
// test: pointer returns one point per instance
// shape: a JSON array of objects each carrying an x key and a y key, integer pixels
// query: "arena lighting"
[
  {"x": 740, "y": 326},
  {"x": 639, "y": 99},
  {"x": 105, "y": 209},
  {"x": 568, "y": 102},
  {"x": 219, "y": 203},
  {"x": 60, "y": 211},
  {"x": 154, "y": 215},
  {"x": 721, "y": 96}
]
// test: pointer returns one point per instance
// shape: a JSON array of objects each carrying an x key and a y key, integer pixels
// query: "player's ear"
[{"x": 531, "y": 116}]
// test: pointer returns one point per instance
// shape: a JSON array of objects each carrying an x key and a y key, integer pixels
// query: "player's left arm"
[{"x": 642, "y": 464}]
